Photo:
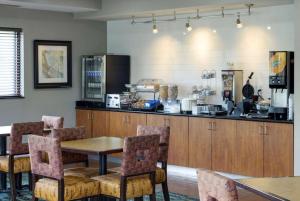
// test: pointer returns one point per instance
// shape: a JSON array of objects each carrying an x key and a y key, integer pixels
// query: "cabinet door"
[
  {"x": 100, "y": 123},
  {"x": 117, "y": 124},
  {"x": 178, "y": 149},
  {"x": 84, "y": 118},
  {"x": 223, "y": 136},
  {"x": 200, "y": 143},
  {"x": 133, "y": 120},
  {"x": 278, "y": 150},
  {"x": 248, "y": 149},
  {"x": 156, "y": 120}
]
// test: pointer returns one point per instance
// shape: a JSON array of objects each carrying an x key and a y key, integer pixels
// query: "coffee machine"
[{"x": 281, "y": 83}]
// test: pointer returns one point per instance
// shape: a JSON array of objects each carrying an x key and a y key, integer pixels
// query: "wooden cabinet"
[
  {"x": 125, "y": 124},
  {"x": 223, "y": 144},
  {"x": 200, "y": 133},
  {"x": 249, "y": 149},
  {"x": 100, "y": 123},
  {"x": 84, "y": 118},
  {"x": 95, "y": 122},
  {"x": 278, "y": 150},
  {"x": 179, "y": 131}
]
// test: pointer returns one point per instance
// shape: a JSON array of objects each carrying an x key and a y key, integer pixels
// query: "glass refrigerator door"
[{"x": 93, "y": 77}]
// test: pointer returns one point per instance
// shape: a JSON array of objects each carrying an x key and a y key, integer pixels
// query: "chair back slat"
[
  {"x": 51, "y": 122},
  {"x": 18, "y": 130},
  {"x": 214, "y": 187},
  {"x": 67, "y": 134},
  {"x": 39, "y": 145},
  {"x": 140, "y": 155},
  {"x": 163, "y": 132}
]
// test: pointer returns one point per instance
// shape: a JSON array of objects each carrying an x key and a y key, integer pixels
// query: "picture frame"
[{"x": 52, "y": 64}]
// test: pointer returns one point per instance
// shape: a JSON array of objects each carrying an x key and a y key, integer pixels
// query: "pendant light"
[
  {"x": 239, "y": 23},
  {"x": 154, "y": 27},
  {"x": 188, "y": 26}
]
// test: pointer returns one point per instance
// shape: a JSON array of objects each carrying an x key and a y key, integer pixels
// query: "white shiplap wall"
[{"x": 178, "y": 58}]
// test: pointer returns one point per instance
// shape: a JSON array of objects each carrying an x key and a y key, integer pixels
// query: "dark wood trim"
[{"x": 67, "y": 84}]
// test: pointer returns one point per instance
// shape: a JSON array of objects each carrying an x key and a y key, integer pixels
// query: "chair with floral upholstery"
[
  {"x": 137, "y": 176},
  {"x": 214, "y": 187},
  {"x": 51, "y": 122},
  {"x": 161, "y": 172},
  {"x": 17, "y": 161},
  {"x": 67, "y": 134},
  {"x": 49, "y": 182}
]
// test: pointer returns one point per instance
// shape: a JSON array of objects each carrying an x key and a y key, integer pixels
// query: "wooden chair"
[
  {"x": 67, "y": 134},
  {"x": 137, "y": 176},
  {"x": 161, "y": 172},
  {"x": 214, "y": 187},
  {"x": 49, "y": 182},
  {"x": 17, "y": 162},
  {"x": 51, "y": 122}
]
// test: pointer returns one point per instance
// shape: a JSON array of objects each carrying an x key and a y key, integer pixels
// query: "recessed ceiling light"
[
  {"x": 214, "y": 31},
  {"x": 269, "y": 27}
]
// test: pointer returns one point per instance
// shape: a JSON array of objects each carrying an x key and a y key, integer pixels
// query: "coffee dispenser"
[{"x": 281, "y": 82}]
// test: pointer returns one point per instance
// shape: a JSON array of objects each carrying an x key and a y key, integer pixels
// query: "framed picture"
[{"x": 52, "y": 64}]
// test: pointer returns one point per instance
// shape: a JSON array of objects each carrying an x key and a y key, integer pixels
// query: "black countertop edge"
[{"x": 189, "y": 115}]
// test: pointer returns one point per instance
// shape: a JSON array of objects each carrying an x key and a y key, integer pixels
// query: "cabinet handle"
[
  {"x": 266, "y": 128},
  {"x": 209, "y": 126},
  {"x": 92, "y": 116},
  {"x": 128, "y": 119},
  {"x": 214, "y": 126},
  {"x": 167, "y": 122},
  {"x": 89, "y": 116},
  {"x": 261, "y": 130}
]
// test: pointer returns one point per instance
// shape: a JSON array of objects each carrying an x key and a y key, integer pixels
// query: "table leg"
[
  {"x": 2, "y": 153},
  {"x": 103, "y": 171}
]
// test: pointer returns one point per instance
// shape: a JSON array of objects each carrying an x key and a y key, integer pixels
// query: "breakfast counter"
[
  {"x": 250, "y": 147},
  {"x": 228, "y": 117}
]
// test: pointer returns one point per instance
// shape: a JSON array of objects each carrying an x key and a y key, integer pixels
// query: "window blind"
[{"x": 11, "y": 43}]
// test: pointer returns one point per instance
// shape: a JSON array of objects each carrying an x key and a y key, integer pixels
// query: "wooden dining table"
[
  {"x": 4, "y": 133},
  {"x": 101, "y": 146},
  {"x": 275, "y": 189}
]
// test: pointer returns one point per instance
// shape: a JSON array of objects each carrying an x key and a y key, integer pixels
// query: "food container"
[
  {"x": 173, "y": 92},
  {"x": 187, "y": 104},
  {"x": 163, "y": 92}
]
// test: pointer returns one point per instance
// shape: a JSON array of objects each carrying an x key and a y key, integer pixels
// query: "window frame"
[{"x": 20, "y": 70}]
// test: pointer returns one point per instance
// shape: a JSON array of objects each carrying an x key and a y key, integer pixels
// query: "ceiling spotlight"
[
  {"x": 269, "y": 27},
  {"x": 239, "y": 23},
  {"x": 214, "y": 31},
  {"x": 154, "y": 27},
  {"x": 188, "y": 26}
]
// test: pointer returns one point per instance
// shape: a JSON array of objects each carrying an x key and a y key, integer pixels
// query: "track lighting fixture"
[
  {"x": 188, "y": 26},
  {"x": 154, "y": 27},
  {"x": 239, "y": 23}
]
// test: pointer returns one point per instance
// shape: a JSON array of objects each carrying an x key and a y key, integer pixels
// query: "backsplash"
[{"x": 180, "y": 58}]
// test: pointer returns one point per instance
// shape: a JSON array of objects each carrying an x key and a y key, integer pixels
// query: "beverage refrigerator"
[{"x": 104, "y": 74}]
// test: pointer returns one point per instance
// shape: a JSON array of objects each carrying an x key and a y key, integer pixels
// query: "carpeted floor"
[{"x": 25, "y": 195}]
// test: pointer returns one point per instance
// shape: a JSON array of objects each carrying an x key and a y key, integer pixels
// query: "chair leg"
[
  {"x": 123, "y": 189},
  {"x": 12, "y": 178},
  {"x": 139, "y": 199},
  {"x": 165, "y": 190},
  {"x": 86, "y": 163},
  {"x": 33, "y": 179},
  {"x": 152, "y": 197},
  {"x": 30, "y": 181}
]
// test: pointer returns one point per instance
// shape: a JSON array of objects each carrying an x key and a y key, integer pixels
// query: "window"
[{"x": 11, "y": 59}]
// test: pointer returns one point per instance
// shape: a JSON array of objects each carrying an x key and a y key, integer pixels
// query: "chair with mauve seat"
[
  {"x": 67, "y": 134},
  {"x": 161, "y": 172},
  {"x": 49, "y": 182},
  {"x": 17, "y": 161},
  {"x": 214, "y": 187},
  {"x": 51, "y": 122},
  {"x": 137, "y": 175}
]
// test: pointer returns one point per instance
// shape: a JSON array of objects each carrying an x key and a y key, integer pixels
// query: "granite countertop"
[{"x": 190, "y": 115}]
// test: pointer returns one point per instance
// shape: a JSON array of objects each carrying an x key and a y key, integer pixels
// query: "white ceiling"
[{"x": 124, "y": 9}]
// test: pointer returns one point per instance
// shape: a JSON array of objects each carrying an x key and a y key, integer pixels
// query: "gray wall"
[{"x": 87, "y": 37}]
